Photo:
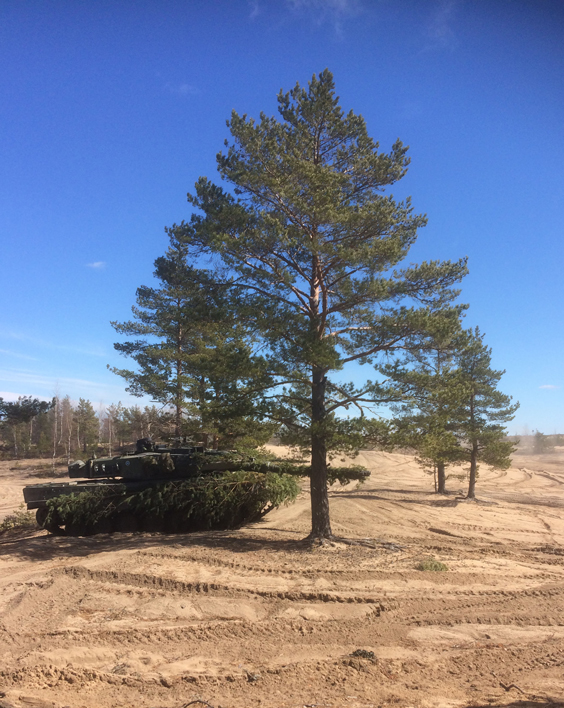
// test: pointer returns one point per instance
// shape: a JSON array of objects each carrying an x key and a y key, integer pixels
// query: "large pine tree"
[{"x": 309, "y": 242}]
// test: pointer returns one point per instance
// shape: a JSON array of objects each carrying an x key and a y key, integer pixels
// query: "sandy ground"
[{"x": 255, "y": 617}]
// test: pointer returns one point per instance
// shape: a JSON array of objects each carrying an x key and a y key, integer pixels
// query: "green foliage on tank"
[{"x": 222, "y": 501}]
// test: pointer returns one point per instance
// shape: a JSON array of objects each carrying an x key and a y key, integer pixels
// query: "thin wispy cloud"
[
  {"x": 31, "y": 380},
  {"x": 17, "y": 355},
  {"x": 10, "y": 334},
  {"x": 335, "y": 7},
  {"x": 97, "y": 265},
  {"x": 334, "y": 12},
  {"x": 182, "y": 89},
  {"x": 31, "y": 377},
  {"x": 550, "y": 387},
  {"x": 46, "y": 344},
  {"x": 255, "y": 8},
  {"x": 440, "y": 28},
  {"x": 19, "y": 383}
]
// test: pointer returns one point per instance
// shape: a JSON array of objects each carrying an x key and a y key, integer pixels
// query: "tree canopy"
[
  {"x": 22, "y": 410},
  {"x": 192, "y": 354},
  {"x": 25, "y": 409}
]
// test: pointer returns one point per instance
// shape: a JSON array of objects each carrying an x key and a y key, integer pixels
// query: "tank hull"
[{"x": 36, "y": 496}]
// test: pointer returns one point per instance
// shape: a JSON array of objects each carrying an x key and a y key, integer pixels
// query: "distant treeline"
[
  {"x": 538, "y": 443},
  {"x": 63, "y": 429}
]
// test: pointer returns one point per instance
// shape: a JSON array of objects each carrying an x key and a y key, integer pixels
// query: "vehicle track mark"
[{"x": 183, "y": 587}]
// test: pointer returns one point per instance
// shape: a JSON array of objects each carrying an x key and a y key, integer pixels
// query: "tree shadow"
[
  {"x": 373, "y": 495},
  {"x": 524, "y": 703},
  {"x": 42, "y": 546},
  {"x": 526, "y": 499},
  {"x": 389, "y": 490}
]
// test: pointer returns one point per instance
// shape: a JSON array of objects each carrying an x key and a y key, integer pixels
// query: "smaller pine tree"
[
  {"x": 449, "y": 407},
  {"x": 483, "y": 410},
  {"x": 426, "y": 384},
  {"x": 542, "y": 443},
  {"x": 87, "y": 426}
]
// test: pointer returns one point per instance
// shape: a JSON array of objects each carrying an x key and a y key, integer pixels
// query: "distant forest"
[{"x": 67, "y": 430}]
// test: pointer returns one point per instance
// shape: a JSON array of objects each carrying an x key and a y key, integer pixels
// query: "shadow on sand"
[
  {"x": 410, "y": 496},
  {"x": 536, "y": 703},
  {"x": 40, "y": 545}
]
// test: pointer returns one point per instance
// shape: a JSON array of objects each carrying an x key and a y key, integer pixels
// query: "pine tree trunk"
[
  {"x": 177, "y": 421},
  {"x": 55, "y": 430},
  {"x": 110, "y": 437},
  {"x": 179, "y": 393},
  {"x": 320, "y": 522},
  {"x": 473, "y": 453},
  {"x": 441, "y": 477},
  {"x": 473, "y": 469}
]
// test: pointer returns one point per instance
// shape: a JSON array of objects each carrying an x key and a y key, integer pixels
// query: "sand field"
[{"x": 257, "y": 618}]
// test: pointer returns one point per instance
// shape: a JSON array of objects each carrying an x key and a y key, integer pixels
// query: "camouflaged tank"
[{"x": 160, "y": 488}]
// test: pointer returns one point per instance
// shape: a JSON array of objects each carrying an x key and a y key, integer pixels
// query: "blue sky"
[{"x": 110, "y": 111}]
